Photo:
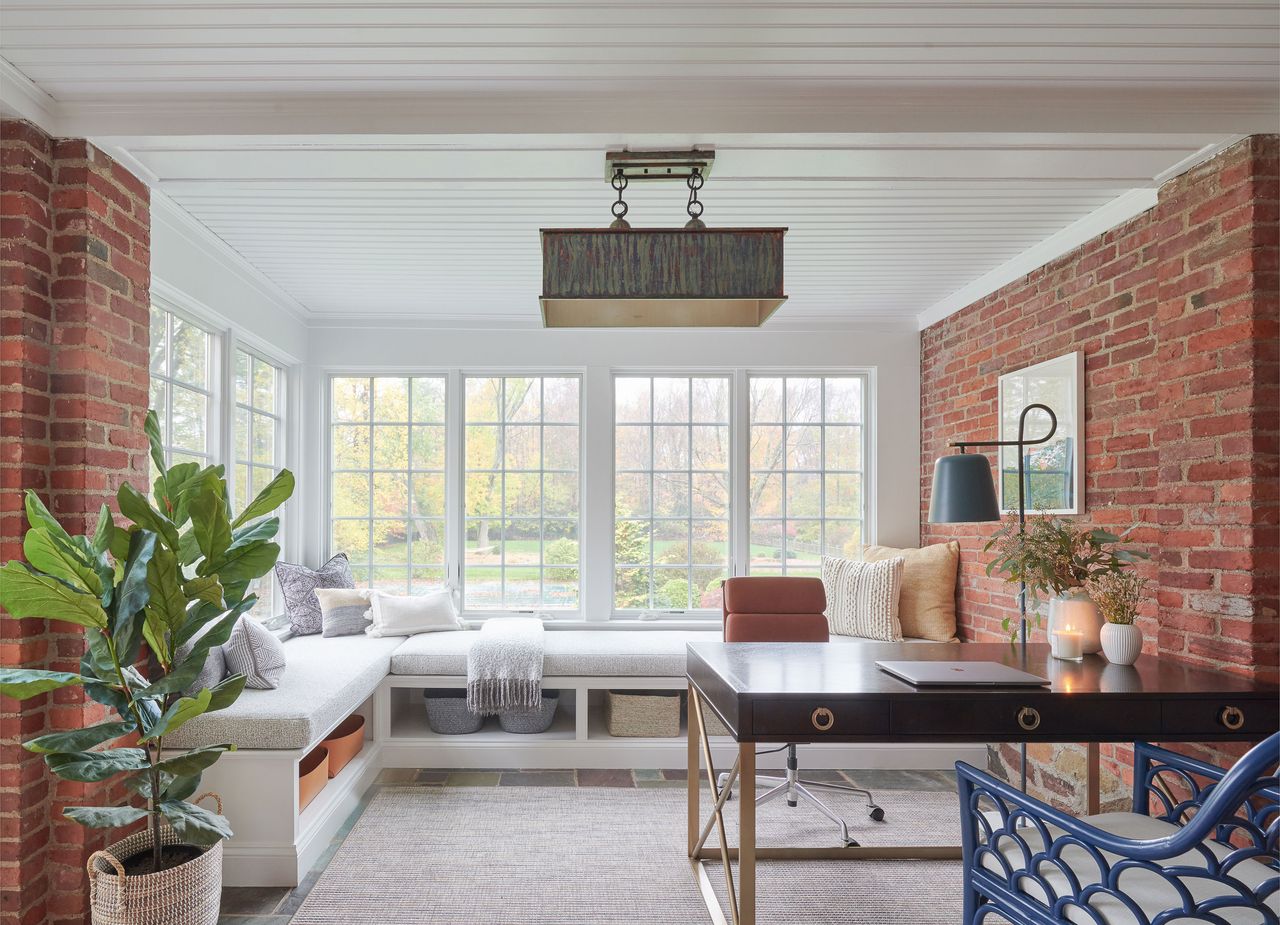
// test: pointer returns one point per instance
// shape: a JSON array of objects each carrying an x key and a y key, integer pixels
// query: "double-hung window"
[
  {"x": 805, "y": 491},
  {"x": 182, "y": 384},
  {"x": 387, "y": 479},
  {"x": 259, "y": 447},
  {"x": 671, "y": 492},
  {"x": 521, "y": 493}
]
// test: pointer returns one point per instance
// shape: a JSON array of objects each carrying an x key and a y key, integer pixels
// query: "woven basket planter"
[{"x": 189, "y": 894}]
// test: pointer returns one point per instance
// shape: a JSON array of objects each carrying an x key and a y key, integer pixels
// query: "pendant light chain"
[
  {"x": 619, "y": 208},
  {"x": 694, "y": 208}
]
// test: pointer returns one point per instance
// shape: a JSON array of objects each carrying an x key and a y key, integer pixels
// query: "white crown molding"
[
  {"x": 1194, "y": 160},
  {"x": 22, "y": 99},
  {"x": 165, "y": 211},
  {"x": 511, "y": 321},
  {"x": 170, "y": 297},
  {"x": 1116, "y": 212}
]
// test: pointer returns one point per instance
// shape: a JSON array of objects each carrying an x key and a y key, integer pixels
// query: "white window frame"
[
  {"x": 460, "y": 520},
  {"x": 213, "y": 390},
  {"x": 652, "y": 612}
]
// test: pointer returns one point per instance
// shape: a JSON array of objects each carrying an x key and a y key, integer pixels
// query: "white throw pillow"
[
  {"x": 399, "y": 615},
  {"x": 862, "y": 597}
]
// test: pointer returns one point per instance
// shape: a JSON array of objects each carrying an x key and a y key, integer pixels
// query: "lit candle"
[{"x": 1067, "y": 643}]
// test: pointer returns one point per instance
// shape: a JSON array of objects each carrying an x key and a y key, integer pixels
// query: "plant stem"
[{"x": 153, "y": 756}]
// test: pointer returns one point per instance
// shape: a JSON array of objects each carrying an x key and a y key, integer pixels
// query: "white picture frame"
[{"x": 1055, "y": 470}]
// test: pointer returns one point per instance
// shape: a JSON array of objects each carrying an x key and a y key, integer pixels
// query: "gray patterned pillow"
[
  {"x": 215, "y": 663},
  {"x": 255, "y": 652},
  {"x": 344, "y": 612},
  {"x": 298, "y": 585}
]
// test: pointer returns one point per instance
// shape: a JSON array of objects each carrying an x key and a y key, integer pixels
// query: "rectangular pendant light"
[{"x": 660, "y": 277}]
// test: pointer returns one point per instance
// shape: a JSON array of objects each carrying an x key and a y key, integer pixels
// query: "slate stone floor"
[{"x": 276, "y": 905}]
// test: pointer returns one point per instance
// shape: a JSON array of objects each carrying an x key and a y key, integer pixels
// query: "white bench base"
[{"x": 276, "y": 845}]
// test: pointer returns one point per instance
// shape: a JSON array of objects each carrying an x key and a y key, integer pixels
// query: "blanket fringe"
[{"x": 506, "y": 695}]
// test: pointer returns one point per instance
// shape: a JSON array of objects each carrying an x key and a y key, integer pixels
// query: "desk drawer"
[
  {"x": 1218, "y": 717},
  {"x": 811, "y": 720},
  {"x": 1028, "y": 716}
]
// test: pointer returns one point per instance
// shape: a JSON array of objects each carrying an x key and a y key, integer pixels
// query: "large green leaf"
[
  {"x": 185, "y": 481},
  {"x": 78, "y": 740},
  {"x": 132, "y": 597},
  {"x": 25, "y": 592},
  {"x": 167, "y": 606},
  {"x": 134, "y": 506},
  {"x": 205, "y": 588},
  {"x": 21, "y": 683},
  {"x": 180, "y": 788},
  {"x": 178, "y": 713},
  {"x": 210, "y": 526},
  {"x": 63, "y": 561},
  {"x": 276, "y": 492},
  {"x": 194, "y": 761},
  {"x": 194, "y": 825},
  {"x": 151, "y": 427},
  {"x": 38, "y": 516},
  {"x": 245, "y": 563},
  {"x": 89, "y": 767},
  {"x": 103, "y": 531},
  {"x": 264, "y": 529},
  {"x": 104, "y": 817},
  {"x": 224, "y": 693}
]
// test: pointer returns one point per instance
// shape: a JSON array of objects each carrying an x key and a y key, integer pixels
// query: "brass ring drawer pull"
[
  {"x": 1232, "y": 717},
  {"x": 822, "y": 719},
  {"x": 1029, "y": 718}
]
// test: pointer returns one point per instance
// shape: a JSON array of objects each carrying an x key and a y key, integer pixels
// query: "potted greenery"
[
  {"x": 1055, "y": 559},
  {"x": 176, "y": 579},
  {"x": 1118, "y": 595}
]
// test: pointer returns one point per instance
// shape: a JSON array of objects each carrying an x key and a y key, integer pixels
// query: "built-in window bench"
[{"x": 326, "y": 680}]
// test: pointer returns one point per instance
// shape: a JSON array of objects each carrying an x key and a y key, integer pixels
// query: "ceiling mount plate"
[{"x": 658, "y": 165}]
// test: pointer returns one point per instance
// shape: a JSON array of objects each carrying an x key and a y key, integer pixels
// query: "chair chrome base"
[{"x": 793, "y": 787}]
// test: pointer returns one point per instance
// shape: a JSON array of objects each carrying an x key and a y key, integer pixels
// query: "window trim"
[{"x": 214, "y": 382}]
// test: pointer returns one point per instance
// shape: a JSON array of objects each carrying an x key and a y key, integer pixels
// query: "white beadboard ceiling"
[{"x": 394, "y": 160}]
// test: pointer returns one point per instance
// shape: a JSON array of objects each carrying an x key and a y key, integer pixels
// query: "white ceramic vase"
[
  {"x": 1076, "y": 610},
  {"x": 1121, "y": 643}
]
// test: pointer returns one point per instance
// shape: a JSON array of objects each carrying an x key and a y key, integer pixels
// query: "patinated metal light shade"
[{"x": 660, "y": 277}]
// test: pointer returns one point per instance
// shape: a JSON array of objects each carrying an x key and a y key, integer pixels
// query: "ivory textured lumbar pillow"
[
  {"x": 398, "y": 615},
  {"x": 927, "y": 607},
  {"x": 862, "y": 597},
  {"x": 343, "y": 611}
]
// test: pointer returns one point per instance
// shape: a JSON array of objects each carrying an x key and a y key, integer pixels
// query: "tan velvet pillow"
[{"x": 927, "y": 603}]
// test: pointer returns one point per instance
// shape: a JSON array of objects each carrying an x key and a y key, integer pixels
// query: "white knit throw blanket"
[{"x": 504, "y": 666}]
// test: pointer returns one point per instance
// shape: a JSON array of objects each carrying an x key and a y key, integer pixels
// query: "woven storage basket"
[
  {"x": 652, "y": 714},
  {"x": 189, "y": 894}
]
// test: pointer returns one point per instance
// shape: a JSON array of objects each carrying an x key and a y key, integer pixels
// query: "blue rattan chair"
[{"x": 1199, "y": 846}]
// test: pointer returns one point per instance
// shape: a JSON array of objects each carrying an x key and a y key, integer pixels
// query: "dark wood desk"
[{"x": 814, "y": 692}]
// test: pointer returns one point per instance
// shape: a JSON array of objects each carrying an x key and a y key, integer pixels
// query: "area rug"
[{"x": 613, "y": 856}]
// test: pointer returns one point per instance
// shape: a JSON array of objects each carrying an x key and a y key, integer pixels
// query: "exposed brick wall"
[
  {"x": 75, "y": 268},
  {"x": 1178, "y": 316}
]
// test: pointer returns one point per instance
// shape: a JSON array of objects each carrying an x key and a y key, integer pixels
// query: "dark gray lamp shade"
[{"x": 963, "y": 491}]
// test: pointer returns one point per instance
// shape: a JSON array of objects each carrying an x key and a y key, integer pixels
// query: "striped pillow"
[{"x": 862, "y": 597}]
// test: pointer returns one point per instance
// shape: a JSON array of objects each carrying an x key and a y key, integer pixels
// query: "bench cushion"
[
  {"x": 579, "y": 653},
  {"x": 324, "y": 681}
]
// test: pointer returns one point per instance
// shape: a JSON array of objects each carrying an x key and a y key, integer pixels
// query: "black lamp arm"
[{"x": 1022, "y": 424}]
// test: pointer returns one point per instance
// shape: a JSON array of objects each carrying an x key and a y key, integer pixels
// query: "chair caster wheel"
[
  {"x": 729, "y": 797},
  {"x": 877, "y": 814},
  {"x": 851, "y": 843}
]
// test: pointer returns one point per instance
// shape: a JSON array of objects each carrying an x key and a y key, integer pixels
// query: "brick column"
[{"x": 73, "y": 394}]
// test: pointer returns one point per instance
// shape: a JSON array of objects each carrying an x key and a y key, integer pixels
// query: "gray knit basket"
[
  {"x": 447, "y": 712},
  {"x": 189, "y": 894},
  {"x": 533, "y": 721}
]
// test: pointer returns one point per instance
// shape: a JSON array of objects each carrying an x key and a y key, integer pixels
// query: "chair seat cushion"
[
  {"x": 324, "y": 681},
  {"x": 1150, "y": 891}
]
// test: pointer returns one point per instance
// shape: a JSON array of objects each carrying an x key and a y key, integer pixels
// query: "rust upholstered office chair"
[{"x": 783, "y": 609}]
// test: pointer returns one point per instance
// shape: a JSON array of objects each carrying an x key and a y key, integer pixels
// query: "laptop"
[{"x": 961, "y": 674}]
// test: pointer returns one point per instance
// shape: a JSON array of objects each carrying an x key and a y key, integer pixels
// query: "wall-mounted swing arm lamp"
[{"x": 964, "y": 492}]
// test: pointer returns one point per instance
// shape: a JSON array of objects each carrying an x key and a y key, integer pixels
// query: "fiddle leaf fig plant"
[{"x": 175, "y": 579}]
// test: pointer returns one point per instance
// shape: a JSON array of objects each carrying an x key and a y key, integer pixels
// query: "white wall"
[{"x": 892, "y": 355}]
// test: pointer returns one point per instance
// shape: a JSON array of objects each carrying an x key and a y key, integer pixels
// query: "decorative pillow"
[
  {"x": 395, "y": 615},
  {"x": 927, "y": 607},
  {"x": 255, "y": 652},
  {"x": 343, "y": 612},
  {"x": 862, "y": 597},
  {"x": 215, "y": 663},
  {"x": 298, "y": 585}
]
